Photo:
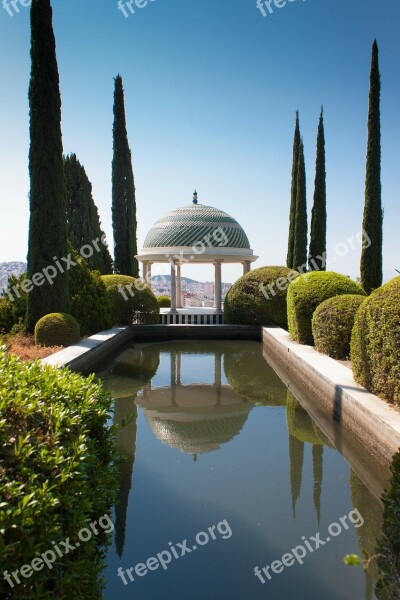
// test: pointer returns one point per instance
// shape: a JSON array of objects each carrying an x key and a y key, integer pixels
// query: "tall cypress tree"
[
  {"x": 293, "y": 193},
  {"x": 47, "y": 226},
  {"x": 123, "y": 192},
  {"x": 317, "y": 253},
  {"x": 371, "y": 257},
  {"x": 300, "y": 231},
  {"x": 83, "y": 220}
]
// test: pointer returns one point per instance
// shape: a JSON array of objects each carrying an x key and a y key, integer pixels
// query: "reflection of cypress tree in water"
[
  {"x": 250, "y": 376},
  {"x": 371, "y": 510},
  {"x": 296, "y": 456},
  {"x": 302, "y": 429},
  {"x": 125, "y": 412},
  {"x": 317, "y": 453}
]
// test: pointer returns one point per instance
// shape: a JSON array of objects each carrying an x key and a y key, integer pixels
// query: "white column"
[
  {"x": 173, "y": 287},
  {"x": 178, "y": 286},
  {"x": 148, "y": 274},
  {"x": 144, "y": 266},
  {"x": 246, "y": 267},
  {"x": 217, "y": 286}
]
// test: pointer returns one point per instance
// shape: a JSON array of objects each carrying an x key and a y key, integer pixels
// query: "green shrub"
[
  {"x": 58, "y": 475},
  {"x": 307, "y": 292},
  {"x": 259, "y": 297},
  {"x": 164, "y": 301},
  {"x": 89, "y": 302},
  {"x": 57, "y": 329},
  {"x": 375, "y": 342},
  {"x": 388, "y": 551},
  {"x": 332, "y": 324},
  {"x": 19, "y": 300},
  {"x": 131, "y": 301},
  {"x": 6, "y": 315}
]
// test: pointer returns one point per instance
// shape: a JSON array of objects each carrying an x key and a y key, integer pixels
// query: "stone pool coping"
[
  {"x": 374, "y": 422},
  {"x": 85, "y": 356}
]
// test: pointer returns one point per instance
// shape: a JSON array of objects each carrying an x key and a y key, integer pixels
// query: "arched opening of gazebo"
[{"x": 195, "y": 234}]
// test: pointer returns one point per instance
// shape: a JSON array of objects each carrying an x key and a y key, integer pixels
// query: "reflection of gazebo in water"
[{"x": 196, "y": 418}]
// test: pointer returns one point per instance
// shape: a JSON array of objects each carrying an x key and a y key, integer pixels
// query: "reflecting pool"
[{"x": 225, "y": 471}]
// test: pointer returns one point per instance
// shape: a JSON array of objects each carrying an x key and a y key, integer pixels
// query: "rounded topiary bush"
[
  {"x": 375, "y": 342},
  {"x": 333, "y": 322},
  {"x": 259, "y": 297},
  {"x": 307, "y": 292},
  {"x": 131, "y": 300},
  {"x": 57, "y": 329},
  {"x": 164, "y": 301}
]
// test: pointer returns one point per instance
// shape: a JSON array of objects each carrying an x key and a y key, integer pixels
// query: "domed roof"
[{"x": 189, "y": 225}]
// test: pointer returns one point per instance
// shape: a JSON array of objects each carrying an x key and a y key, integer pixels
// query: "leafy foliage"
[
  {"x": 317, "y": 253},
  {"x": 58, "y": 475},
  {"x": 307, "y": 292},
  {"x": 123, "y": 192},
  {"x": 164, "y": 301},
  {"x": 375, "y": 342},
  {"x": 300, "y": 230},
  {"x": 82, "y": 216},
  {"x": 57, "y": 329},
  {"x": 332, "y": 324},
  {"x": 48, "y": 225},
  {"x": 371, "y": 258},
  {"x": 293, "y": 195},
  {"x": 89, "y": 300},
  {"x": 6, "y": 315},
  {"x": 388, "y": 586},
  {"x": 251, "y": 301},
  {"x": 131, "y": 301}
]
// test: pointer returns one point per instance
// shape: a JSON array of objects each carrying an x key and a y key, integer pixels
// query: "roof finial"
[{"x": 194, "y": 197}]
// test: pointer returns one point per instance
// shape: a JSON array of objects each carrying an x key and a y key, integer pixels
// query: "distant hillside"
[
  {"x": 168, "y": 278},
  {"x": 10, "y": 268}
]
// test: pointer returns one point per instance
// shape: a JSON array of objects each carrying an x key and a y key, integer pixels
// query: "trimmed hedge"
[
  {"x": 332, "y": 324},
  {"x": 89, "y": 303},
  {"x": 58, "y": 476},
  {"x": 307, "y": 292},
  {"x": 259, "y": 297},
  {"x": 164, "y": 301},
  {"x": 131, "y": 301},
  {"x": 57, "y": 329},
  {"x": 375, "y": 342},
  {"x": 388, "y": 550}
]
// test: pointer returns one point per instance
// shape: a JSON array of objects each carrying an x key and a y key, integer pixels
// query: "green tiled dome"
[{"x": 190, "y": 224}]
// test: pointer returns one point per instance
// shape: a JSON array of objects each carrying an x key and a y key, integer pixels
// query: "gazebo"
[{"x": 195, "y": 234}]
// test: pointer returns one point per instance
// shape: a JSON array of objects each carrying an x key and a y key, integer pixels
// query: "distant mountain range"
[
  {"x": 168, "y": 278},
  {"x": 10, "y": 268}
]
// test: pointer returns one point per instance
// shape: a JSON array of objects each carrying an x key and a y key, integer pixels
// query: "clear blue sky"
[{"x": 211, "y": 89}]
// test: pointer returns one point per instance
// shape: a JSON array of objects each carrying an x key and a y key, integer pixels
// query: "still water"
[{"x": 225, "y": 472}]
